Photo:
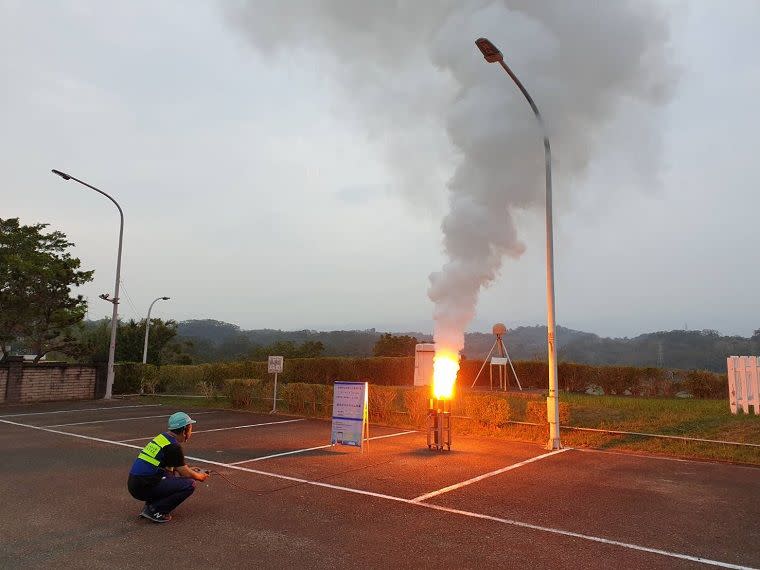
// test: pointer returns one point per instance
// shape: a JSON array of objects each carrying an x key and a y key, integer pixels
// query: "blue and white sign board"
[{"x": 349, "y": 419}]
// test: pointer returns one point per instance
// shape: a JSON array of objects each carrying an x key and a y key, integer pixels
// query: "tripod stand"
[{"x": 500, "y": 362}]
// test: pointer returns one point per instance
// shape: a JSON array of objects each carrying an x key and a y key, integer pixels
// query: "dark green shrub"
[
  {"x": 127, "y": 377},
  {"x": 703, "y": 384},
  {"x": 391, "y": 371},
  {"x": 307, "y": 399},
  {"x": 296, "y": 396},
  {"x": 489, "y": 410},
  {"x": 325, "y": 401},
  {"x": 417, "y": 403},
  {"x": 247, "y": 393},
  {"x": 382, "y": 402}
]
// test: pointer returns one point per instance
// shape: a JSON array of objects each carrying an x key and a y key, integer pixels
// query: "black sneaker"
[{"x": 151, "y": 515}]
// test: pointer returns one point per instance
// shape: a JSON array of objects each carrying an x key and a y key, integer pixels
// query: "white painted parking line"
[
  {"x": 224, "y": 428},
  {"x": 77, "y": 435},
  {"x": 510, "y": 522},
  {"x": 250, "y": 425},
  {"x": 119, "y": 420},
  {"x": 217, "y": 463},
  {"x": 284, "y": 453},
  {"x": 71, "y": 411},
  {"x": 392, "y": 435},
  {"x": 485, "y": 476},
  {"x": 589, "y": 537}
]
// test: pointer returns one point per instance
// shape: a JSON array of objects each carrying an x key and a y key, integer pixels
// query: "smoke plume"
[{"x": 418, "y": 82}]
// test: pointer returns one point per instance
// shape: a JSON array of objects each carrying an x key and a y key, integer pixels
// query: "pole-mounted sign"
[{"x": 274, "y": 366}]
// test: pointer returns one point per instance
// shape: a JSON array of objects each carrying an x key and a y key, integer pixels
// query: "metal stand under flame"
[{"x": 439, "y": 425}]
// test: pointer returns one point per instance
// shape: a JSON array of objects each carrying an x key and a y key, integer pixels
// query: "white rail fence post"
[{"x": 744, "y": 383}]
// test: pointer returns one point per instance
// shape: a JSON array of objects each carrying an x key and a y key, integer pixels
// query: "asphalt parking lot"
[{"x": 282, "y": 497}]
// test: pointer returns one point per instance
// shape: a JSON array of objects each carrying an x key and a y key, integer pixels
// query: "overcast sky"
[{"x": 256, "y": 191}]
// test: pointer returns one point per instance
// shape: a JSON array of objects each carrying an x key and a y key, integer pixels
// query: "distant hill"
[
  {"x": 707, "y": 349},
  {"x": 208, "y": 329},
  {"x": 229, "y": 342},
  {"x": 704, "y": 350},
  {"x": 523, "y": 343}
]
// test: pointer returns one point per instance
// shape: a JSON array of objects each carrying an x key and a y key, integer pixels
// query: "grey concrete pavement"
[{"x": 65, "y": 503}]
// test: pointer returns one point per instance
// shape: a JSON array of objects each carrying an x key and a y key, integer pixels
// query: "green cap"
[{"x": 179, "y": 420}]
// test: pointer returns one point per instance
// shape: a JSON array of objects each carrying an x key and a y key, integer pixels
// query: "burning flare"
[{"x": 445, "y": 368}]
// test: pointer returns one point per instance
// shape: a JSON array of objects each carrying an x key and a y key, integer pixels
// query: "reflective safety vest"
[{"x": 150, "y": 451}]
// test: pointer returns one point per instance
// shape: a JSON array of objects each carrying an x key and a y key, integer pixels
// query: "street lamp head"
[
  {"x": 61, "y": 174},
  {"x": 165, "y": 298},
  {"x": 489, "y": 51}
]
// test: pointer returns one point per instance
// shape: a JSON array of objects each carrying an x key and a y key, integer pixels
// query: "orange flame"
[{"x": 445, "y": 368}]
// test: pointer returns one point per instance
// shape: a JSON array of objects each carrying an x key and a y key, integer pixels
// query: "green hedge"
[
  {"x": 392, "y": 405},
  {"x": 390, "y": 371},
  {"x": 249, "y": 394},
  {"x": 616, "y": 380},
  {"x": 385, "y": 371}
]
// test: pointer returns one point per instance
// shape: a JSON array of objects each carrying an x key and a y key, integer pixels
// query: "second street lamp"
[
  {"x": 147, "y": 327},
  {"x": 115, "y": 300},
  {"x": 492, "y": 55}
]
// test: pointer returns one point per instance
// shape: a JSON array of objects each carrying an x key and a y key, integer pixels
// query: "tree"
[
  {"x": 132, "y": 340},
  {"x": 37, "y": 310},
  {"x": 94, "y": 337},
  {"x": 311, "y": 349},
  {"x": 177, "y": 351},
  {"x": 390, "y": 345},
  {"x": 288, "y": 349}
]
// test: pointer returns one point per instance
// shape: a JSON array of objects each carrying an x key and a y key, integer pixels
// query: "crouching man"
[{"x": 159, "y": 475}]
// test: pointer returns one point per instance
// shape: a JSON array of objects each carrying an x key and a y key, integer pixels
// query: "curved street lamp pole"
[
  {"x": 147, "y": 327},
  {"x": 492, "y": 55},
  {"x": 115, "y": 300}
]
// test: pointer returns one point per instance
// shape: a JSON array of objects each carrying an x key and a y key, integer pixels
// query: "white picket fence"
[{"x": 744, "y": 383}]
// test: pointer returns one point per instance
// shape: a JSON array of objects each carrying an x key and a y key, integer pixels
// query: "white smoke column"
[{"x": 584, "y": 63}]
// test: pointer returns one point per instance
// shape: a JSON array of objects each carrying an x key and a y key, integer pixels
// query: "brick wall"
[
  {"x": 3, "y": 383},
  {"x": 44, "y": 382}
]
